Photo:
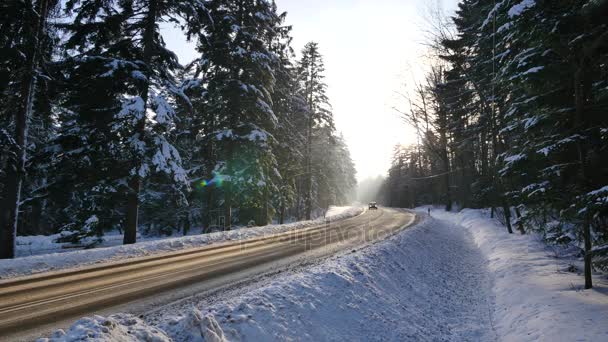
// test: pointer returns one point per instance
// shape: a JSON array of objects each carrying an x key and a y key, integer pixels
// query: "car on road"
[{"x": 373, "y": 206}]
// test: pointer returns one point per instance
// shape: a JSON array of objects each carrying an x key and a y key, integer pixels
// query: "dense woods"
[
  {"x": 512, "y": 115},
  {"x": 102, "y": 128}
]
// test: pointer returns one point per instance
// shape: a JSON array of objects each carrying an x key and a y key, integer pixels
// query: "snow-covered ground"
[
  {"x": 536, "y": 297},
  {"x": 422, "y": 284},
  {"x": 453, "y": 277},
  {"x": 49, "y": 255}
]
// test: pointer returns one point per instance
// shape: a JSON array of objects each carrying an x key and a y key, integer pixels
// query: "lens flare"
[{"x": 217, "y": 180}]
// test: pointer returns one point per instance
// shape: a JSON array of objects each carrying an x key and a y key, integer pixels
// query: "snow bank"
[
  {"x": 453, "y": 277},
  {"x": 120, "y": 327},
  {"x": 427, "y": 283},
  {"x": 63, "y": 260},
  {"x": 536, "y": 298}
]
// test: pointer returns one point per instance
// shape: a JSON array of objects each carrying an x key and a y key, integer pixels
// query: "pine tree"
[
  {"x": 240, "y": 81},
  {"x": 118, "y": 51},
  {"x": 310, "y": 70},
  {"x": 523, "y": 95},
  {"x": 24, "y": 45},
  {"x": 291, "y": 111}
]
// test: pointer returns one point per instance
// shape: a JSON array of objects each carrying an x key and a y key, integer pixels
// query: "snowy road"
[
  {"x": 427, "y": 283},
  {"x": 31, "y": 305},
  {"x": 450, "y": 277}
]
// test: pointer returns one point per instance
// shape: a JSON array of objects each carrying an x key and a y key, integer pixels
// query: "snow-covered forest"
[
  {"x": 102, "y": 128},
  {"x": 512, "y": 116}
]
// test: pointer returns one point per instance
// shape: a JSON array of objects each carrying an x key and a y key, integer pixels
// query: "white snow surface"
[
  {"x": 521, "y": 7},
  {"x": 453, "y": 277},
  {"x": 43, "y": 254},
  {"x": 536, "y": 298},
  {"x": 428, "y": 283},
  {"x": 116, "y": 328}
]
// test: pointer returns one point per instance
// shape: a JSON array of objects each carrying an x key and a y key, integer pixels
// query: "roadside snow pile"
[
  {"x": 536, "y": 298},
  {"x": 436, "y": 281},
  {"x": 58, "y": 261},
  {"x": 197, "y": 327},
  {"x": 120, "y": 327},
  {"x": 427, "y": 283}
]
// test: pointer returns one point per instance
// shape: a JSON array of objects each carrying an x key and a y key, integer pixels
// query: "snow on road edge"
[
  {"x": 58, "y": 261},
  {"x": 426, "y": 283},
  {"x": 413, "y": 286},
  {"x": 536, "y": 298}
]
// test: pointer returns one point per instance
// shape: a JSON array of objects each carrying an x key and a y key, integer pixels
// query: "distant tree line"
[
  {"x": 513, "y": 115},
  {"x": 102, "y": 128}
]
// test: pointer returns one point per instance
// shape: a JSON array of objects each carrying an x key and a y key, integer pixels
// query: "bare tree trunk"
[
  {"x": 9, "y": 215},
  {"x": 448, "y": 192},
  {"x": 130, "y": 235},
  {"x": 446, "y": 161}
]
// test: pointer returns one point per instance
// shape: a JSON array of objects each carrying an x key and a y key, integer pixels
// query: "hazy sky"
[{"x": 370, "y": 48}]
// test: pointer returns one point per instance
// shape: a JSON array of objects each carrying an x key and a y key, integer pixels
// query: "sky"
[{"x": 371, "y": 50}]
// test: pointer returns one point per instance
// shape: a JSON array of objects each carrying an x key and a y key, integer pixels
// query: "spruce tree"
[
  {"x": 240, "y": 81},
  {"x": 119, "y": 51},
  {"x": 28, "y": 19},
  {"x": 310, "y": 74}
]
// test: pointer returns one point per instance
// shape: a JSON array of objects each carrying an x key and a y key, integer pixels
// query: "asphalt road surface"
[{"x": 33, "y": 306}]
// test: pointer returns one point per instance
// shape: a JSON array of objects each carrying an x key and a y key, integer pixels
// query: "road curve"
[{"x": 27, "y": 304}]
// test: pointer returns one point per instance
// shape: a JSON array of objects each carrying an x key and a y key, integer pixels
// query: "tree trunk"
[
  {"x": 446, "y": 168},
  {"x": 187, "y": 225},
  {"x": 579, "y": 94},
  {"x": 282, "y": 213},
  {"x": 588, "y": 254},
  {"x": 308, "y": 181},
  {"x": 507, "y": 214},
  {"x": 520, "y": 225},
  {"x": 9, "y": 214},
  {"x": 228, "y": 207},
  {"x": 448, "y": 193},
  {"x": 298, "y": 204},
  {"x": 206, "y": 216},
  {"x": 130, "y": 235}
]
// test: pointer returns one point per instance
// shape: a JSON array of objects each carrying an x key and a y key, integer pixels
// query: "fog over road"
[{"x": 31, "y": 306}]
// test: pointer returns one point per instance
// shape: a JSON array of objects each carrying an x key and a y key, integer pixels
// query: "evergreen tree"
[
  {"x": 22, "y": 44},
  {"x": 310, "y": 70},
  {"x": 240, "y": 81},
  {"x": 116, "y": 50},
  {"x": 120, "y": 130},
  {"x": 520, "y": 100}
]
